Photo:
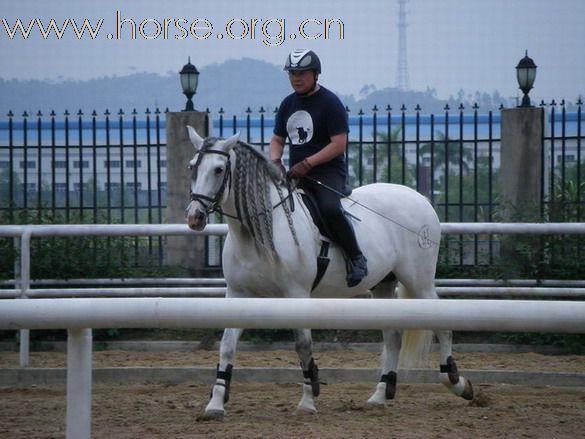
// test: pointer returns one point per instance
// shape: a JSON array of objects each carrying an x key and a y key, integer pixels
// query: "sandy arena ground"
[{"x": 267, "y": 410}]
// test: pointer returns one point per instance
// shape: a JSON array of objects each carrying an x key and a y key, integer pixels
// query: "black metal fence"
[
  {"x": 564, "y": 182},
  {"x": 96, "y": 168},
  {"x": 452, "y": 157},
  {"x": 111, "y": 168},
  {"x": 77, "y": 168}
]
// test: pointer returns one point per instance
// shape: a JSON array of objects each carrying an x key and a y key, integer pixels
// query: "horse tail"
[{"x": 416, "y": 344}]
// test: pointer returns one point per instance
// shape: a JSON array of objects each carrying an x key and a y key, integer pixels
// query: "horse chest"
[{"x": 252, "y": 273}]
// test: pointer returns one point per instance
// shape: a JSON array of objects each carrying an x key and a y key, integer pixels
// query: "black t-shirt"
[{"x": 309, "y": 123}]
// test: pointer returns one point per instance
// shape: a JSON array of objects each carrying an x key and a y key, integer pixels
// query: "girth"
[{"x": 322, "y": 263}]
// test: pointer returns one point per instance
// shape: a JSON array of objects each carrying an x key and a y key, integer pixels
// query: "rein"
[{"x": 371, "y": 210}]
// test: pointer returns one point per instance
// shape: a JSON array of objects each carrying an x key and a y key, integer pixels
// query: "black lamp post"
[
  {"x": 189, "y": 79},
  {"x": 526, "y": 73}
]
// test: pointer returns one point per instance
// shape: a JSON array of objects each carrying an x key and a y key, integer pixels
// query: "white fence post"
[
  {"x": 79, "y": 370},
  {"x": 24, "y": 334}
]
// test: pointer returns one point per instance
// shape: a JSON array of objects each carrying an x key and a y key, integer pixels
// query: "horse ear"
[
  {"x": 230, "y": 142},
  {"x": 195, "y": 138}
]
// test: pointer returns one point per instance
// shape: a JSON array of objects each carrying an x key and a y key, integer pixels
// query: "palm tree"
[
  {"x": 444, "y": 150},
  {"x": 450, "y": 163},
  {"x": 399, "y": 170},
  {"x": 370, "y": 164}
]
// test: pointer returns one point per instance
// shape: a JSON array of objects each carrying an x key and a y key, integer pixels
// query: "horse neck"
[{"x": 252, "y": 197}]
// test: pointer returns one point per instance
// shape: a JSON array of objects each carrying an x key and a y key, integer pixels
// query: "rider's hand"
[
  {"x": 280, "y": 167},
  {"x": 300, "y": 169}
]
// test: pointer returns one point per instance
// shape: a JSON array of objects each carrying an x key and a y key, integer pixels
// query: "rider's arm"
[
  {"x": 332, "y": 150},
  {"x": 276, "y": 148}
]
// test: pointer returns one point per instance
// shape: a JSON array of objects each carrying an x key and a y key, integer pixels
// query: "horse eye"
[{"x": 218, "y": 170}]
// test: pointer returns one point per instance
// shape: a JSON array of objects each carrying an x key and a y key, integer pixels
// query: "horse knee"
[
  {"x": 227, "y": 347},
  {"x": 303, "y": 344}
]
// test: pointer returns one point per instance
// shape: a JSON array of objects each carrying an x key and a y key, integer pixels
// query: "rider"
[{"x": 315, "y": 123}]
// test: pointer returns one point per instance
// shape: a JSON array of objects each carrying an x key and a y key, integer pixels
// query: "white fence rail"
[
  {"x": 447, "y": 314},
  {"x": 23, "y": 235},
  {"x": 460, "y": 291},
  {"x": 23, "y": 286},
  {"x": 216, "y": 287}
]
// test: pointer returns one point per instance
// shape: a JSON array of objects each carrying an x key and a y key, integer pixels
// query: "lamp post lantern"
[
  {"x": 189, "y": 80},
  {"x": 525, "y": 74}
]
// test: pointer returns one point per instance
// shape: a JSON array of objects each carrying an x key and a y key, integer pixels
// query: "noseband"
[{"x": 211, "y": 204}]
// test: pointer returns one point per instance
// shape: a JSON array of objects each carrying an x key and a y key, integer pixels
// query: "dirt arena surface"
[
  {"x": 267, "y": 410},
  {"x": 287, "y": 358}
]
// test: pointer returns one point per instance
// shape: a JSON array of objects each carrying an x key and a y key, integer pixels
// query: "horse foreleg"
[
  {"x": 450, "y": 376},
  {"x": 311, "y": 384},
  {"x": 386, "y": 388},
  {"x": 220, "y": 392}
]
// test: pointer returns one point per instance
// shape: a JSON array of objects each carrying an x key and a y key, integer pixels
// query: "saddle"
[{"x": 313, "y": 208}]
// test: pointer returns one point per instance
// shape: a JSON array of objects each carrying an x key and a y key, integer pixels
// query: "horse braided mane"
[{"x": 253, "y": 174}]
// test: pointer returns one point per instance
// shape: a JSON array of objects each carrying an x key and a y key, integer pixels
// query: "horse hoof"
[
  {"x": 212, "y": 415},
  {"x": 374, "y": 405},
  {"x": 468, "y": 391},
  {"x": 303, "y": 411}
]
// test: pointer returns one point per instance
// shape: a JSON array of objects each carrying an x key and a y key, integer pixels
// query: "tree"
[
  {"x": 373, "y": 158},
  {"x": 6, "y": 177},
  {"x": 444, "y": 150}
]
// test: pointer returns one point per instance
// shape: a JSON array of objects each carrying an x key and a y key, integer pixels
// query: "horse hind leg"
[
  {"x": 220, "y": 392},
  {"x": 311, "y": 383},
  {"x": 386, "y": 387},
  {"x": 449, "y": 374}
]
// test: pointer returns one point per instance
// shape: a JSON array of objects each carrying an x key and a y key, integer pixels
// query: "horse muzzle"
[{"x": 195, "y": 216}]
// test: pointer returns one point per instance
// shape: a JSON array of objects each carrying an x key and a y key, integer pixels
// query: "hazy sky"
[{"x": 452, "y": 44}]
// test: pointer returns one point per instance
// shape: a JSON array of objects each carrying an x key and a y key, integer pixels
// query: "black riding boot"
[
  {"x": 357, "y": 269},
  {"x": 340, "y": 227},
  {"x": 357, "y": 264}
]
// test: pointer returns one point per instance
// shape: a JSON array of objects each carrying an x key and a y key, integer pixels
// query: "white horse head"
[{"x": 210, "y": 175}]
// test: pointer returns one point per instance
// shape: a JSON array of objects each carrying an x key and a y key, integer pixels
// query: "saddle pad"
[{"x": 313, "y": 208}]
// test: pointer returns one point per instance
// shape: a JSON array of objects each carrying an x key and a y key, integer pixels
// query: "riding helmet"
[{"x": 302, "y": 59}]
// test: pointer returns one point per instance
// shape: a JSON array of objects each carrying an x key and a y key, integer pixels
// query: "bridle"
[{"x": 211, "y": 204}]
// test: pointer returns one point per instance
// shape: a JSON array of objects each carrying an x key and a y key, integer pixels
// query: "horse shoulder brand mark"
[
  {"x": 299, "y": 127},
  {"x": 424, "y": 240}
]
